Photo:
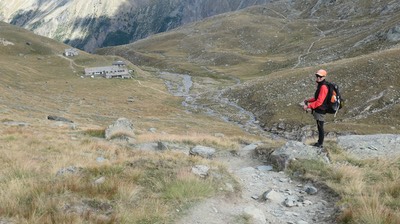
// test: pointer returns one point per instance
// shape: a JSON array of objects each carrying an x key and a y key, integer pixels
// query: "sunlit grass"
[
  {"x": 368, "y": 189},
  {"x": 127, "y": 186},
  {"x": 100, "y": 133},
  {"x": 193, "y": 138},
  {"x": 187, "y": 187}
]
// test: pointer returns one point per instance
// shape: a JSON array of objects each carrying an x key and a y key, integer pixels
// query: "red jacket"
[{"x": 315, "y": 103}]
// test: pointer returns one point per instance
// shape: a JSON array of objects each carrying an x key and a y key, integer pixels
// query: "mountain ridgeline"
[{"x": 91, "y": 24}]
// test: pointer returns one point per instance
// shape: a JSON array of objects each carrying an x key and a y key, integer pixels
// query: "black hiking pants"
[
  {"x": 320, "y": 118},
  {"x": 321, "y": 134}
]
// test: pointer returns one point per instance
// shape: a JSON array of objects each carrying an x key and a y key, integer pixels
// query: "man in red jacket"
[{"x": 318, "y": 105}]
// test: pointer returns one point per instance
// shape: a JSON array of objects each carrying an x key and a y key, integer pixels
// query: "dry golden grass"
[
  {"x": 220, "y": 142},
  {"x": 138, "y": 187},
  {"x": 47, "y": 83},
  {"x": 145, "y": 187},
  {"x": 369, "y": 189},
  {"x": 348, "y": 180}
]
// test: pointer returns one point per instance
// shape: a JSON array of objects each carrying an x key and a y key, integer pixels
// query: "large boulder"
[
  {"x": 296, "y": 150},
  {"x": 122, "y": 128},
  {"x": 203, "y": 151},
  {"x": 371, "y": 146}
]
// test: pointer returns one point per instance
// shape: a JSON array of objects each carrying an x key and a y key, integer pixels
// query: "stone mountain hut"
[{"x": 117, "y": 70}]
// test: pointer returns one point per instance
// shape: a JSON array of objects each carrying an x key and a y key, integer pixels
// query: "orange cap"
[{"x": 321, "y": 72}]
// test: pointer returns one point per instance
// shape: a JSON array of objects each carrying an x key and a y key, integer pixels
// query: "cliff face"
[{"x": 90, "y": 24}]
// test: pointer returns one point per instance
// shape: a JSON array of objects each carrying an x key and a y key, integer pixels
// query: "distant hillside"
[
  {"x": 38, "y": 81},
  {"x": 91, "y": 24},
  {"x": 280, "y": 47}
]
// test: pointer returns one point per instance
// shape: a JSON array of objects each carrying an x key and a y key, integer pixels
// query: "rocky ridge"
[
  {"x": 95, "y": 23},
  {"x": 92, "y": 24}
]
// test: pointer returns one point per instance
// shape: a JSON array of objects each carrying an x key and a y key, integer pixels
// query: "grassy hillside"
[
  {"x": 369, "y": 85},
  {"x": 280, "y": 47},
  {"x": 38, "y": 81},
  {"x": 263, "y": 58},
  {"x": 49, "y": 169}
]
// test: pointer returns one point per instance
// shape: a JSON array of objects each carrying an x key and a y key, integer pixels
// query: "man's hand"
[{"x": 305, "y": 107}]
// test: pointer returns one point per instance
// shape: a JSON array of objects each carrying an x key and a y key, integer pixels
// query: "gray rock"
[
  {"x": 162, "y": 146},
  {"x": 219, "y": 135},
  {"x": 265, "y": 168},
  {"x": 68, "y": 170},
  {"x": 294, "y": 150},
  {"x": 100, "y": 181},
  {"x": 371, "y": 146},
  {"x": 203, "y": 151},
  {"x": 311, "y": 190},
  {"x": 249, "y": 147},
  {"x": 153, "y": 130},
  {"x": 229, "y": 187},
  {"x": 100, "y": 159},
  {"x": 273, "y": 196},
  {"x": 257, "y": 215},
  {"x": 301, "y": 222},
  {"x": 307, "y": 202},
  {"x": 200, "y": 170},
  {"x": 291, "y": 201},
  {"x": 120, "y": 128},
  {"x": 16, "y": 123},
  {"x": 394, "y": 34},
  {"x": 57, "y": 118}
]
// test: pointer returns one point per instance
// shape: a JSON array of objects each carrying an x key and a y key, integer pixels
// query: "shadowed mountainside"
[{"x": 91, "y": 24}]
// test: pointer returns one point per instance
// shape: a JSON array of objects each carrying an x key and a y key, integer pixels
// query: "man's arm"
[{"x": 323, "y": 92}]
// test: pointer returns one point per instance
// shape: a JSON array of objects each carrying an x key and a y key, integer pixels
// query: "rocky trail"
[
  {"x": 266, "y": 195},
  {"x": 271, "y": 196}
]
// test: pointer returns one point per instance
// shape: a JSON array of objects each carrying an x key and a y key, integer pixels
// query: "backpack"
[{"x": 334, "y": 99}]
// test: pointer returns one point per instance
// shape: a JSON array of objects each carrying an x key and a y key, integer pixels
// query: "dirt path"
[
  {"x": 249, "y": 206},
  {"x": 300, "y": 57}
]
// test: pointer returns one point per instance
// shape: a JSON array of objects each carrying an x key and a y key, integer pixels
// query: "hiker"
[{"x": 317, "y": 104}]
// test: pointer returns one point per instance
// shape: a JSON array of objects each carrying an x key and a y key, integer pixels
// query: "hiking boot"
[{"x": 317, "y": 145}]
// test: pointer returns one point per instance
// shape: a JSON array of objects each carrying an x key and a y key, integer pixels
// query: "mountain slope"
[
  {"x": 38, "y": 81},
  {"x": 57, "y": 171},
  {"x": 95, "y": 23},
  {"x": 282, "y": 53}
]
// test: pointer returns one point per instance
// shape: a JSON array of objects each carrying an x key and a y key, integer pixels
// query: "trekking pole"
[
  {"x": 302, "y": 116},
  {"x": 303, "y": 138},
  {"x": 337, "y": 109}
]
